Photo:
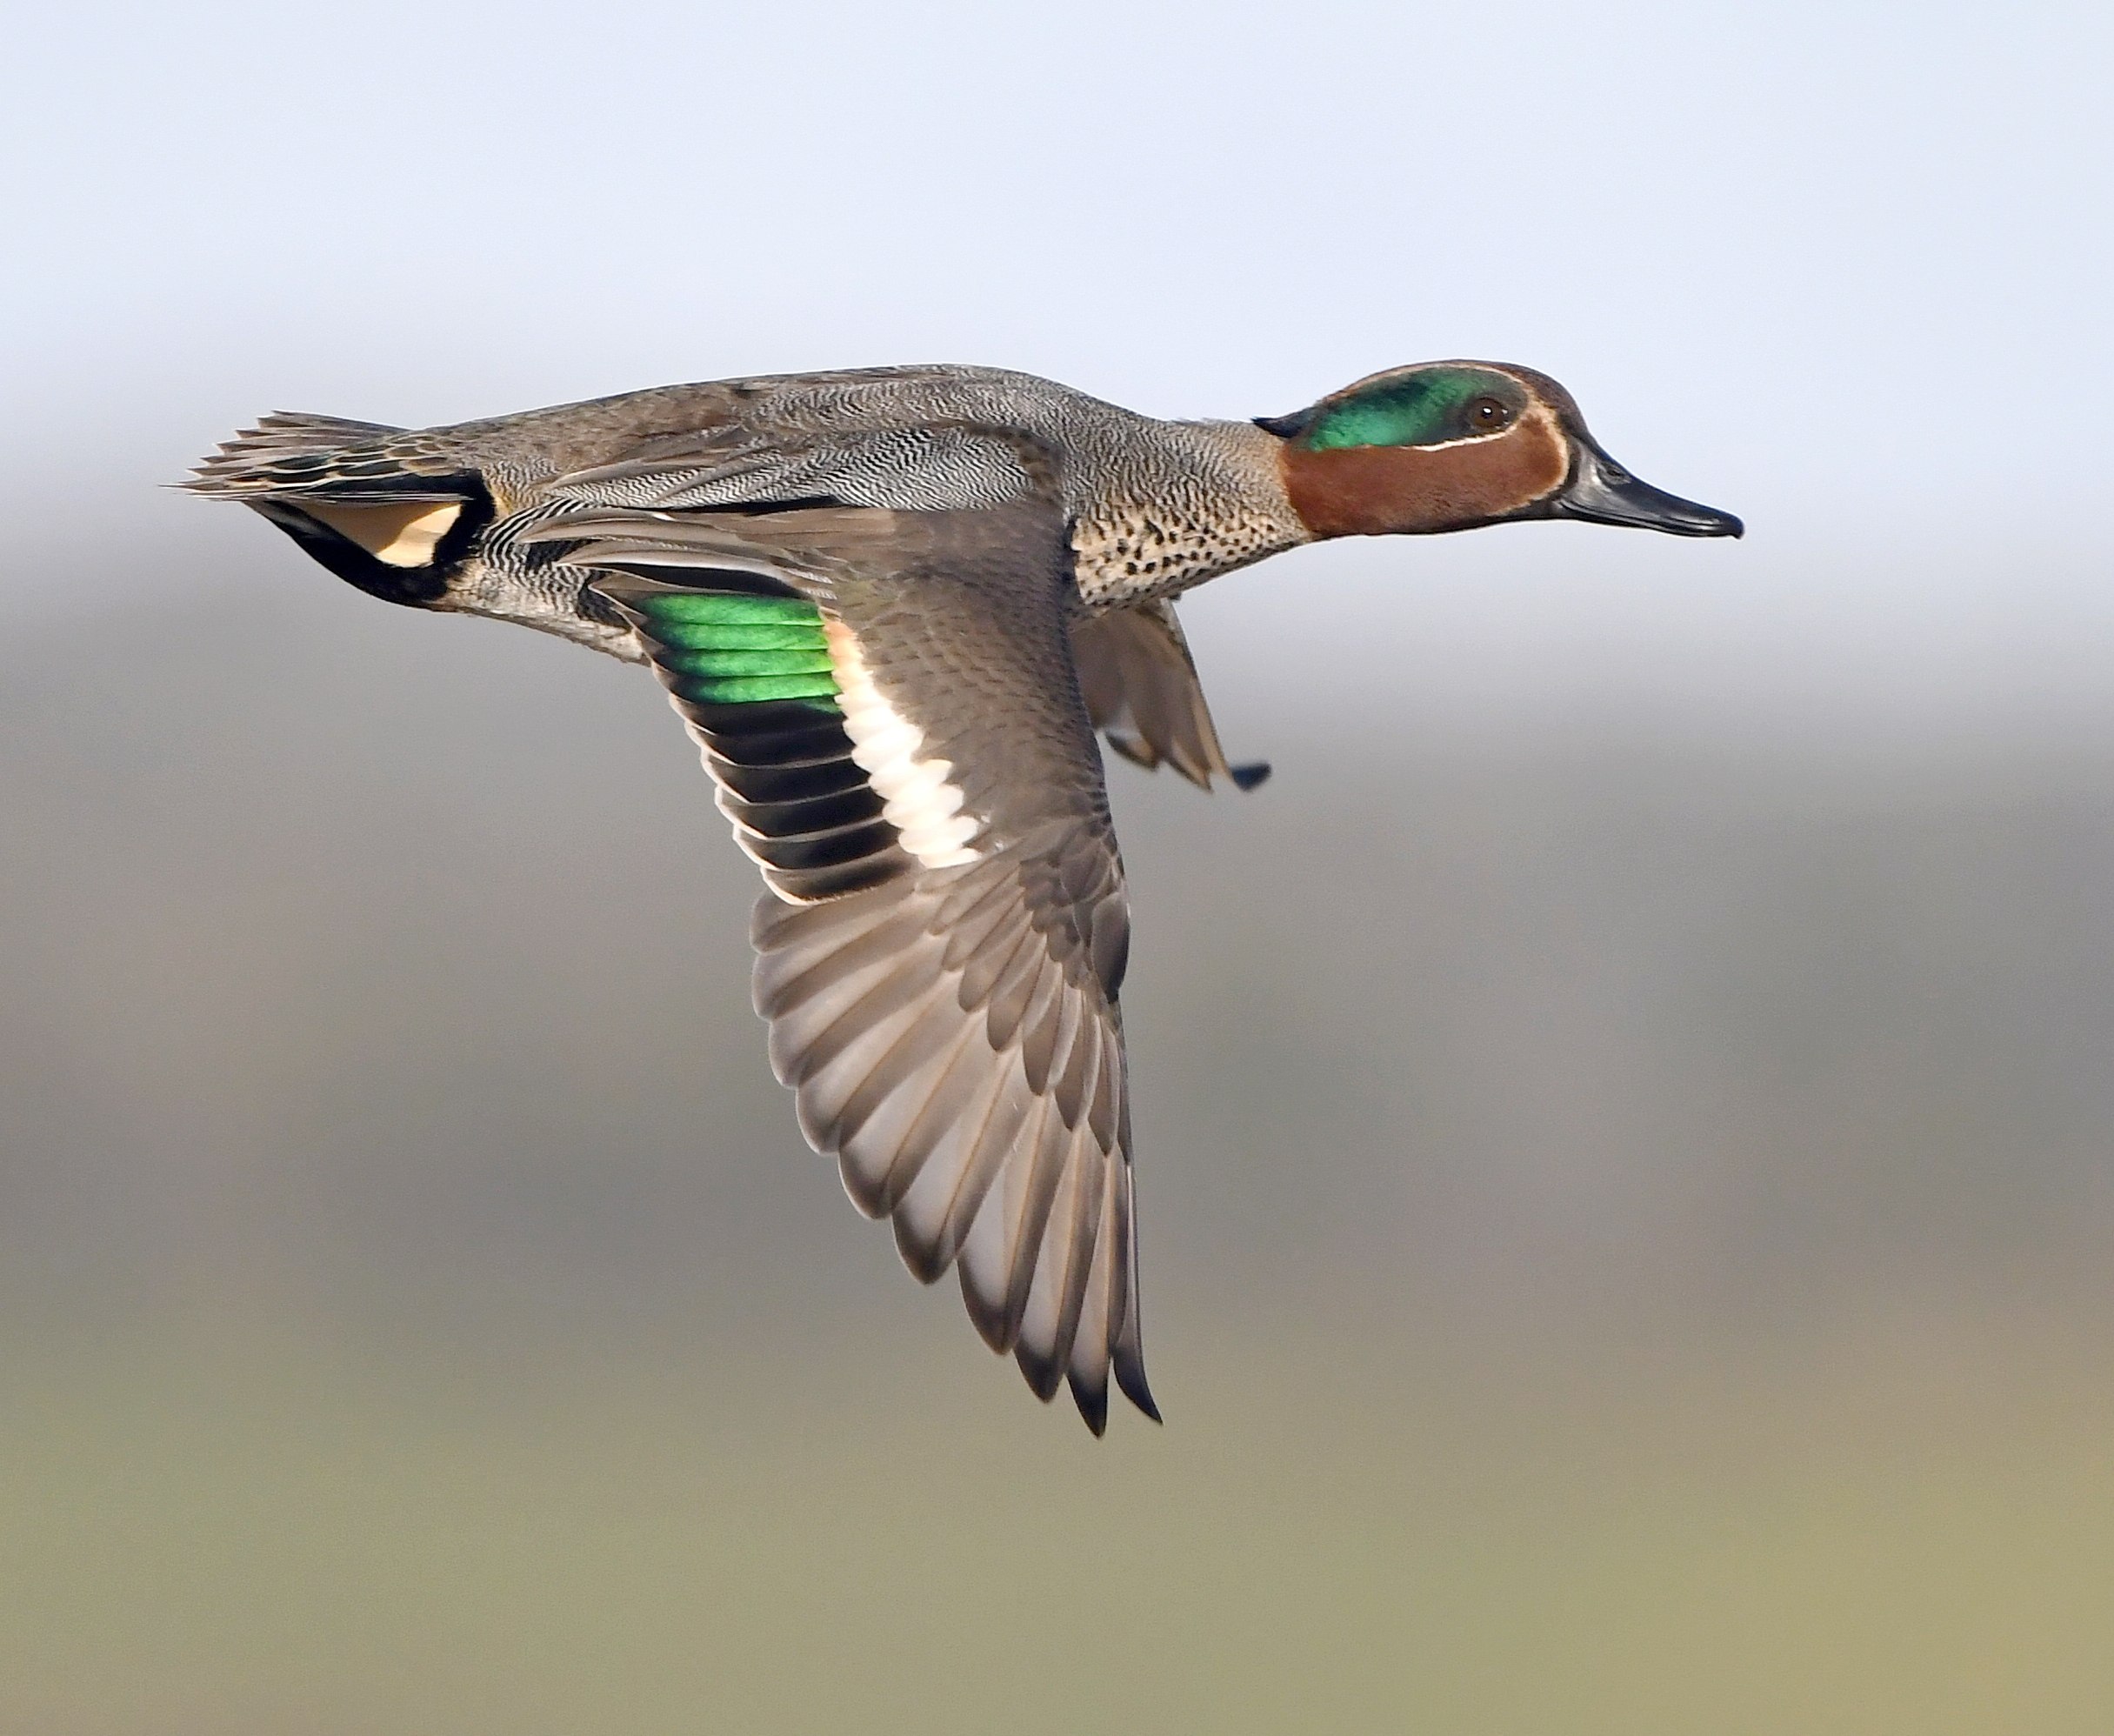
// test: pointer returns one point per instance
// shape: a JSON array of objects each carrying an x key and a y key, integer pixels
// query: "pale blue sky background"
[{"x": 1845, "y": 270}]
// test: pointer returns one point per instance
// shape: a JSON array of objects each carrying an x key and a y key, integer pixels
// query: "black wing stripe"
[{"x": 761, "y": 781}]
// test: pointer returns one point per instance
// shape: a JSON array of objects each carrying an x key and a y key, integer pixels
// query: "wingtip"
[
  {"x": 1093, "y": 1408},
  {"x": 924, "y": 1261},
  {"x": 1131, "y": 1376},
  {"x": 1043, "y": 1374},
  {"x": 990, "y": 1322}
]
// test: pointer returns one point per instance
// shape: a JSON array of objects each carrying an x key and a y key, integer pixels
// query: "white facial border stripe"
[{"x": 920, "y": 799}]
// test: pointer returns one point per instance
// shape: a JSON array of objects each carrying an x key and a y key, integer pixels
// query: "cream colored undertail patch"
[
  {"x": 920, "y": 800},
  {"x": 401, "y": 535}
]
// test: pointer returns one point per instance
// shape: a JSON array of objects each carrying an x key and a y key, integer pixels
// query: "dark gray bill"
[{"x": 1601, "y": 492}]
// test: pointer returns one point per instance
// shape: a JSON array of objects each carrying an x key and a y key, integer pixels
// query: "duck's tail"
[
  {"x": 365, "y": 499},
  {"x": 288, "y": 452}
]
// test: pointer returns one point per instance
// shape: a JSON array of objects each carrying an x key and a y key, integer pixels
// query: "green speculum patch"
[
  {"x": 721, "y": 649},
  {"x": 1422, "y": 409}
]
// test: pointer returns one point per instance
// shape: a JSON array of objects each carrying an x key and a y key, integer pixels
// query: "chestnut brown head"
[{"x": 1450, "y": 446}]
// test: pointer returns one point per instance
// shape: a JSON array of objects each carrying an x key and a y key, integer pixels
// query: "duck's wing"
[
  {"x": 888, "y": 704},
  {"x": 1141, "y": 691},
  {"x": 862, "y": 447}
]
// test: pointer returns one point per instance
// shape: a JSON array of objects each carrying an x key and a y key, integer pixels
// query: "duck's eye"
[{"x": 1487, "y": 414}]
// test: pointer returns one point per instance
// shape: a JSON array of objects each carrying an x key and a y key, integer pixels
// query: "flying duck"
[{"x": 894, "y": 607}]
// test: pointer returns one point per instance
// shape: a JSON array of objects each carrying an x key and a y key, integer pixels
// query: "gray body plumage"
[{"x": 1153, "y": 506}]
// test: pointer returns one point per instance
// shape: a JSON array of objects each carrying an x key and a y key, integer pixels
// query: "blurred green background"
[
  {"x": 1625, "y": 1117},
  {"x": 1634, "y": 1261}
]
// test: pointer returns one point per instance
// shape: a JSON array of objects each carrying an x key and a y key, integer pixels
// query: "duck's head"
[{"x": 1450, "y": 446}]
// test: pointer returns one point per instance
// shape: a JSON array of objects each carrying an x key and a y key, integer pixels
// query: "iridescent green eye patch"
[{"x": 1422, "y": 409}]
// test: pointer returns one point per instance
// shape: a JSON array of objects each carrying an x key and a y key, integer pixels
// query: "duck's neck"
[{"x": 1187, "y": 501}]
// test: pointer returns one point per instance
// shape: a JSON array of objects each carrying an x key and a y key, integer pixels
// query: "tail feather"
[
  {"x": 383, "y": 509},
  {"x": 290, "y": 452}
]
